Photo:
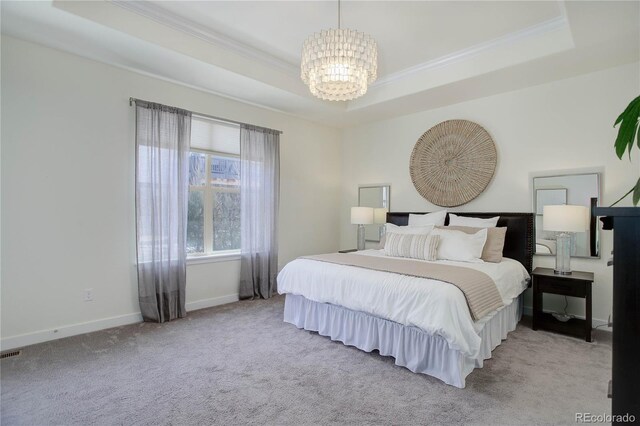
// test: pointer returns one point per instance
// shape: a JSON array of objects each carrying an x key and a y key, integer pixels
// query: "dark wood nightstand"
[
  {"x": 347, "y": 250},
  {"x": 578, "y": 284}
]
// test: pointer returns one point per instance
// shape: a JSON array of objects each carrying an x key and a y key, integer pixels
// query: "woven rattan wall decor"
[{"x": 453, "y": 162}]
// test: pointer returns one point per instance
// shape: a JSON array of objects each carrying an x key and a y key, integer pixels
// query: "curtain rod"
[{"x": 213, "y": 117}]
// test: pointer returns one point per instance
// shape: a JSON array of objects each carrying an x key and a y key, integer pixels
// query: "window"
[{"x": 213, "y": 224}]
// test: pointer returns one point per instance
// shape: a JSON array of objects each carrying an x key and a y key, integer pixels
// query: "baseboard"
[
  {"x": 595, "y": 322},
  {"x": 214, "y": 301},
  {"x": 22, "y": 340},
  {"x": 27, "y": 339}
]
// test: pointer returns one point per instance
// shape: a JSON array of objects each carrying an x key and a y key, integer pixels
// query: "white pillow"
[
  {"x": 414, "y": 246},
  {"x": 460, "y": 246},
  {"x": 416, "y": 230},
  {"x": 476, "y": 222},
  {"x": 435, "y": 219}
]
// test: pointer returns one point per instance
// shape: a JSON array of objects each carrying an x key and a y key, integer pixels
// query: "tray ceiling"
[{"x": 430, "y": 53}]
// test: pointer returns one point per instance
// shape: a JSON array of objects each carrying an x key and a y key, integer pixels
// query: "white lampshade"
[
  {"x": 565, "y": 218},
  {"x": 361, "y": 215},
  {"x": 380, "y": 215}
]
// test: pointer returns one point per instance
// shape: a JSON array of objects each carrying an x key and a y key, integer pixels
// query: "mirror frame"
[
  {"x": 388, "y": 206},
  {"x": 599, "y": 171}
]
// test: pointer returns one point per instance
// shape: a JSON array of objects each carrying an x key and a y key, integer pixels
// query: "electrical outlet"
[{"x": 88, "y": 295}]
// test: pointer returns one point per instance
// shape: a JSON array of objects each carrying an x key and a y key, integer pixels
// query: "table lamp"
[
  {"x": 380, "y": 218},
  {"x": 564, "y": 219},
  {"x": 361, "y": 216}
]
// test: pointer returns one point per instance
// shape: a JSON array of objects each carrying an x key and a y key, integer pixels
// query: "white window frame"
[{"x": 209, "y": 192}]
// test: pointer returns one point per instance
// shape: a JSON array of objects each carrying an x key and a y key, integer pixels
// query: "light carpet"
[{"x": 241, "y": 364}]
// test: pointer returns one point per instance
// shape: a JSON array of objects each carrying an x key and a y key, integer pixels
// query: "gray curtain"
[
  {"x": 259, "y": 197},
  {"x": 162, "y": 159}
]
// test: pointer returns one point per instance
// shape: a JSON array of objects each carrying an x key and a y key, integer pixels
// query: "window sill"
[{"x": 225, "y": 256}]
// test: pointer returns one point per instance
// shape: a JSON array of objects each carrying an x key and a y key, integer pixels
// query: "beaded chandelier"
[{"x": 339, "y": 64}]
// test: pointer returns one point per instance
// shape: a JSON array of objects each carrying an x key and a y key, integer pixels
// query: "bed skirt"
[{"x": 411, "y": 347}]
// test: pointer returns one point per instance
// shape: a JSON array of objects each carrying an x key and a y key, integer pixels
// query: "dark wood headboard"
[{"x": 519, "y": 241}]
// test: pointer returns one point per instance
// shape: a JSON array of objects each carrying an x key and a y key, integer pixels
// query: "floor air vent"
[{"x": 10, "y": 354}]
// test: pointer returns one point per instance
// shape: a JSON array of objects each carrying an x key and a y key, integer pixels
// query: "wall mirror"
[
  {"x": 567, "y": 187},
  {"x": 376, "y": 196}
]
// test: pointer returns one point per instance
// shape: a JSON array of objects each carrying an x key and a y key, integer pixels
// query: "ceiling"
[
  {"x": 430, "y": 54},
  {"x": 404, "y": 30}
]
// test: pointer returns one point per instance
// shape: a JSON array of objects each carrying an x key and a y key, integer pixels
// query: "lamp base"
[
  {"x": 361, "y": 237},
  {"x": 563, "y": 254}
]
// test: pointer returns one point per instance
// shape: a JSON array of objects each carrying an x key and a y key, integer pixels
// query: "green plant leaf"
[
  {"x": 629, "y": 107},
  {"x": 636, "y": 194},
  {"x": 619, "y": 119},
  {"x": 630, "y": 124},
  {"x": 634, "y": 129},
  {"x": 633, "y": 103},
  {"x": 628, "y": 121},
  {"x": 623, "y": 197},
  {"x": 620, "y": 143}
]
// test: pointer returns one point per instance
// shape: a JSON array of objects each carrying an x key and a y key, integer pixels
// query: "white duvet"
[{"x": 433, "y": 306}]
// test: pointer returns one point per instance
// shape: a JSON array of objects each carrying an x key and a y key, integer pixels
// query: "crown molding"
[
  {"x": 153, "y": 12},
  {"x": 162, "y": 16},
  {"x": 469, "y": 52}
]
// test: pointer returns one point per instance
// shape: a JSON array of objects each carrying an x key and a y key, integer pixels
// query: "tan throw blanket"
[{"x": 478, "y": 288}]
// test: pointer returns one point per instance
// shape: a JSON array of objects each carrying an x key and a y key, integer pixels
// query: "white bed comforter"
[{"x": 433, "y": 306}]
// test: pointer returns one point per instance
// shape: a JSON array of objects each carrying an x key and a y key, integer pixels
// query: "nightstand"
[
  {"x": 578, "y": 284},
  {"x": 347, "y": 251}
]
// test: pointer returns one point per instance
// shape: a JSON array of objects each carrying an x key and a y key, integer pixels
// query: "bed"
[{"x": 424, "y": 324}]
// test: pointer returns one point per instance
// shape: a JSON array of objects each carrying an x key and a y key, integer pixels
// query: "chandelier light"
[{"x": 339, "y": 64}]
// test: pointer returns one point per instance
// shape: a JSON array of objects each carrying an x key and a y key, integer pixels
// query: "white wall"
[
  {"x": 68, "y": 192},
  {"x": 67, "y": 176},
  {"x": 562, "y": 125}
]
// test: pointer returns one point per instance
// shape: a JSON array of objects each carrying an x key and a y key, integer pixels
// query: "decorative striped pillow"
[{"x": 414, "y": 246}]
